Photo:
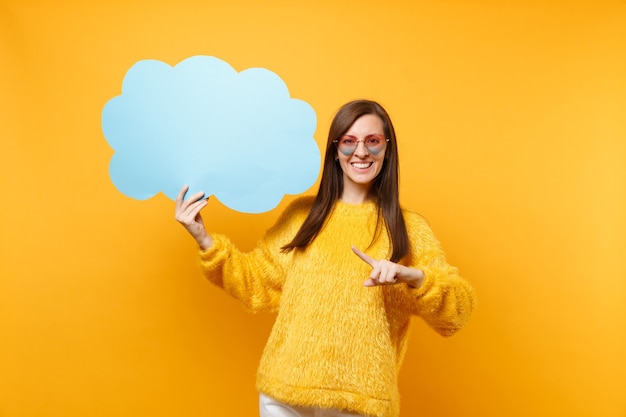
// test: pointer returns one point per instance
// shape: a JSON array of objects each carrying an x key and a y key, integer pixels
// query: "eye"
[
  {"x": 347, "y": 141},
  {"x": 373, "y": 141}
]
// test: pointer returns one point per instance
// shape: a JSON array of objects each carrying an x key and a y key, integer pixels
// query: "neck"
[{"x": 355, "y": 193}]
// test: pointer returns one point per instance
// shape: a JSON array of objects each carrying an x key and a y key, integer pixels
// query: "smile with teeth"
[{"x": 361, "y": 165}]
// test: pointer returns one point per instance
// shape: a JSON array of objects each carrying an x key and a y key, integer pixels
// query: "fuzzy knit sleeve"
[
  {"x": 445, "y": 300},
  {"x": 255, "y": 278}
]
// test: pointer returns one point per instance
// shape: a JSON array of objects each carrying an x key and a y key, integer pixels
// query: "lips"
[{"x": 361, "y": 165}]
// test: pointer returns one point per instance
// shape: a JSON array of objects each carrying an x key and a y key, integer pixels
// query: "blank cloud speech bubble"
[{"x": 236, "y": 135}]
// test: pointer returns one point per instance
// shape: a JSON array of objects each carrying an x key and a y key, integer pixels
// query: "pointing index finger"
[{"x": 365, "y": 257}]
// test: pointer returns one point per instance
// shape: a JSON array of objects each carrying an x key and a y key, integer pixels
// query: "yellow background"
[{"x": 511, "y": 117}]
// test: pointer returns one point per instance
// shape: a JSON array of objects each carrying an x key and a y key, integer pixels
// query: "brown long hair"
[{"x": 384, "y": 188}]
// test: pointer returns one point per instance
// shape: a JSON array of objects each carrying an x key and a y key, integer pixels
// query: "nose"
[{"x": 361, "y": 149}]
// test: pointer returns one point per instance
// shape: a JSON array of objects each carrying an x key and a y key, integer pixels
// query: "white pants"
[{"x": 269, "y": 407}]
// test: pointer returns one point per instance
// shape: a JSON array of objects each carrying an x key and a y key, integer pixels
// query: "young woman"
[{"x": 345, "y": 271}]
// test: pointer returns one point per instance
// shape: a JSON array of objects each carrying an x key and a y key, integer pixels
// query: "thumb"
[{"x": 369, "y": 283}]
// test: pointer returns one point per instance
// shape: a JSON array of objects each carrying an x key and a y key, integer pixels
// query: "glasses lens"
[{"x": 375, "y": 144}]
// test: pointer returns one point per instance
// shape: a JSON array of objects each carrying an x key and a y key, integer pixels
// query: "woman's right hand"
[{"x": 188, "y": 214}]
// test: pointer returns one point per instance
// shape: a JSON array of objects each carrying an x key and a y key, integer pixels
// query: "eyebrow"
[{"x": 366, "y": 136}]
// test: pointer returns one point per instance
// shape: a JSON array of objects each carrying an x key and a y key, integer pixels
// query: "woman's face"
[{"x": 361, "y": 166}]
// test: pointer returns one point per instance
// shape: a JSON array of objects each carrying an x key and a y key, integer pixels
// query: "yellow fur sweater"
[{"x": 336, "y": 343}]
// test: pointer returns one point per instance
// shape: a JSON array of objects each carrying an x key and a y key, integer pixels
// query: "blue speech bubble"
[{"x": 236, "y": 135}]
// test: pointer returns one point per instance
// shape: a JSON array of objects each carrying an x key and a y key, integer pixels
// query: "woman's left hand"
[{"x": 385, "y": 272}]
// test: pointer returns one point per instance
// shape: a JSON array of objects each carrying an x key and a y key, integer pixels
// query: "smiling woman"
[{"x": 346, "y": 361}]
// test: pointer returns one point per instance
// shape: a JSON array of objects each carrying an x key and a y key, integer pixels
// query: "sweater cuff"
[
  {"x": 426, "y": 284},
  {"x": 213, "y": 257}
]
